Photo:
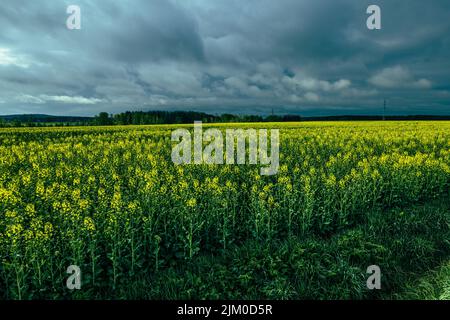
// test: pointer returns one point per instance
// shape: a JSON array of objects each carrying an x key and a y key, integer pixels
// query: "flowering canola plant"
[{"x": 110, "y": 200}]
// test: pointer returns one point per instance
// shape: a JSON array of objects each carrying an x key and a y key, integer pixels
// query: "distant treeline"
[
  {"x": 137, "y": 118},
  {"x": 42, "y": 120},
  {"x": 179, "y": 117}
]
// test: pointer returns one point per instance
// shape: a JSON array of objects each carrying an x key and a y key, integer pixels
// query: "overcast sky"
[{"x": 241, "y": 56}]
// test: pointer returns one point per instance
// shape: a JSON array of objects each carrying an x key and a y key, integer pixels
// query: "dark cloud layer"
[{"x": 295, "y": 56}]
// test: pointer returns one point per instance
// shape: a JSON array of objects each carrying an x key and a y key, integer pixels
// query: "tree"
[{"x": 103, "y": 119}]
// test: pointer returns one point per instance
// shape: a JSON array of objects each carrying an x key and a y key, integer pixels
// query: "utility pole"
[{"x": 384, "y": 110}]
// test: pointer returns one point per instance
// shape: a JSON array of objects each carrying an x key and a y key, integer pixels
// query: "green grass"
[{"x": 434, "y": 285}]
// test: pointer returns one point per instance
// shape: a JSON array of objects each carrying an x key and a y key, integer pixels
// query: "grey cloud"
[
  {"x": 308, "y": 57},
  {"x": 398, "y": 77}
]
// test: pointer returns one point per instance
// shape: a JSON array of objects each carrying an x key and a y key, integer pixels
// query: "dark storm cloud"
[{"x": 297, "y": 56}]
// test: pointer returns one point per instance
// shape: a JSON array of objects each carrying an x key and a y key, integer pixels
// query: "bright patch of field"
[{"x": 109, "y": 199}]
